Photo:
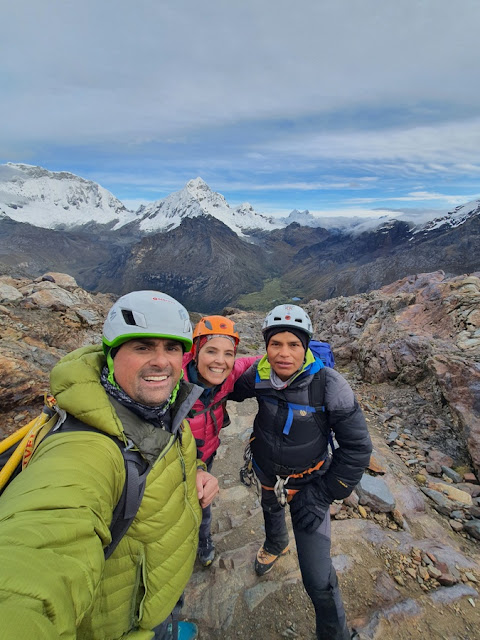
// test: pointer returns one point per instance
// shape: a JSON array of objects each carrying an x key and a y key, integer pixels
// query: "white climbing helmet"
[
  {"x": 146, "y": 314},
  {"x": 288, "y": 316}
]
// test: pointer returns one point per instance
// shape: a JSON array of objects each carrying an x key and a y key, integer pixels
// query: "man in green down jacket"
[{"x": 54, "y": 517}]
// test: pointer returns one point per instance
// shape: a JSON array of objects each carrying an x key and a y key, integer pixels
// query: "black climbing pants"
[{"x": 318, "y": 574}]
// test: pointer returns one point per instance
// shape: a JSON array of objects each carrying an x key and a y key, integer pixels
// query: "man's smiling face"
[{"x": 148, "y": 369}]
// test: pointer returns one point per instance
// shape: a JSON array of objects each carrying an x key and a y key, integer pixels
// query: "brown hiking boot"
[{"x": 265, "y": 561}]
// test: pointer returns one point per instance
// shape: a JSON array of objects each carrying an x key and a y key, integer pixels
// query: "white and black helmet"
[
  {"x": 289, "y": 316},
  {"x": 147, "y": 314}
]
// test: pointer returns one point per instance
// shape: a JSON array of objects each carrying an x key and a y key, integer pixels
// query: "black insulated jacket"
[{"x": 290, "y": 438}]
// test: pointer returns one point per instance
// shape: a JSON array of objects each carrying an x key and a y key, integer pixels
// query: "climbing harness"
[{"x": 283, "y": 493}]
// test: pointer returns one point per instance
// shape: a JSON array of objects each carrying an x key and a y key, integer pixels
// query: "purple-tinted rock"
[{"x": 472, "y": 527}]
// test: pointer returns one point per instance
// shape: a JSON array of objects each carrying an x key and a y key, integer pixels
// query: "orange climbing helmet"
[{"x": 214, "y": 326}]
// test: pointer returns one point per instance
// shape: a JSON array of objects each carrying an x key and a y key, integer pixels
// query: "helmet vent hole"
[{"x": 128, "y": 317}]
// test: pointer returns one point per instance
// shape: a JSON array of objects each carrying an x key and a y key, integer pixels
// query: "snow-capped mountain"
[
  {"x": 62, "y": 200},
  {"x": 304, "y": 218},
  {"x": 453, "y": 218},
  {"x": 197, "y": 199},
  {"x": 54, "y": 200},
  {"x": 338, "y": 223},
  {"x": 367, "y": 253}
]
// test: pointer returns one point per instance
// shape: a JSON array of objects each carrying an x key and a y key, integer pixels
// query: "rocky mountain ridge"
[
  {"x": 62, "y": 200},
  {"x": 216, "y": 267},
  {"x": 223, "y": 260},
  {"x": 405, "y": 544}
]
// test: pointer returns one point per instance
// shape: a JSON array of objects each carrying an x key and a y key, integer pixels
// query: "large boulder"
[
  {"x": 9, "y": 294},
  {"x": 61, "y": 279}
]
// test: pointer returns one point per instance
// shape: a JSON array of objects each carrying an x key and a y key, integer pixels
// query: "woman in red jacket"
[{"x": 211, "y": 364}]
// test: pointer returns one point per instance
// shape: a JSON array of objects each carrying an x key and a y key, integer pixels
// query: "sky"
[{"x": 342, "y": 107}]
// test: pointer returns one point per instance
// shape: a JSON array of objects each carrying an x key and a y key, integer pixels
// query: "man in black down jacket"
[{"x": 291, "y": 458}]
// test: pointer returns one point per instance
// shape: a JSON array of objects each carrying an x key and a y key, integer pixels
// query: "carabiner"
[{"x": 280, "y": 490}]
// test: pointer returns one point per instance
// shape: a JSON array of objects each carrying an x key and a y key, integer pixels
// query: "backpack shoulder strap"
[
  {"x": 316, "y": 395},
  {"x": 210, "y": 410},
  {"x": 136, "y": 471},
  {"x": 316, "y": 390},
  {"x": 192, "y": 413}
]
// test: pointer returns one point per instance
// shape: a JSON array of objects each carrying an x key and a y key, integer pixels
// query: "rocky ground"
[{"x": 405, "y": 545}]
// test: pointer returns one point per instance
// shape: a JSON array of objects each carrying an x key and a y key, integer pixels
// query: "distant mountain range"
[{"x": 193, "y": 245}]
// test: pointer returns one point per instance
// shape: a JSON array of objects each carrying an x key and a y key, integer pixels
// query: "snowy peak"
[
  {"x": 56, "y": 200},
  {"x": 249, "y": 219},
  {"x": 62, "y": 200},
  {"x": 200, "y": 190},
  {"x": 303, "y": 218},
  {"x": 455, "y": 217},
  {"x": 197, "y": 199}
]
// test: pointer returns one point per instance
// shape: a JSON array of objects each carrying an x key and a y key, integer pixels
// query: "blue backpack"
[{"x": 323, "y": 351}]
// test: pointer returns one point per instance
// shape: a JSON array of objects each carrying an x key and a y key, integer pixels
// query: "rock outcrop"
[
  {"x": 41, "y": 321},
  {"x": 422, "y": 331}
]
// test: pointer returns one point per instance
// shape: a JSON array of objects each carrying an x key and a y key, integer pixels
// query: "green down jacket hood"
[{"x": 75, "y": 383}]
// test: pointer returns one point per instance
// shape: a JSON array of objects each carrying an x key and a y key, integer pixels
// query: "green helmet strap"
[
  {"x": 173, "y": 397},
  {"x": 110, "y": 366}
]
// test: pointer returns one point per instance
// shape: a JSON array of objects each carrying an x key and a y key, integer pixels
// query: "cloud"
[
  {"x": 446, "y": 147},
  {"x": 284, "y": 102},
  {"x": 420, "y": 196},
  {"x": 344, "y": 184},
  {"x": 148, "y": 70}
]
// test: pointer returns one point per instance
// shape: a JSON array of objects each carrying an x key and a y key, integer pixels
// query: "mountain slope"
[
  {"x": 346, "y": 267},
  {"x": 56, "y": 200},
  {"x": 201, "y": 262},
  {"x": 29, "y": 250}
]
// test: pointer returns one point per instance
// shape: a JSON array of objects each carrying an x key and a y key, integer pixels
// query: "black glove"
[{"x": 309, "y": 506}]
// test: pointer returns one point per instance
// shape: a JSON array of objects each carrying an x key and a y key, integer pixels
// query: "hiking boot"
[
  {"x": 206, "y": 551},
  {"x": 265, "y": 561}
]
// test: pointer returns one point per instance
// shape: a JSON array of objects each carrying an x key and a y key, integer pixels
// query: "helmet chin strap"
[{"x": 110, "y": 366}]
